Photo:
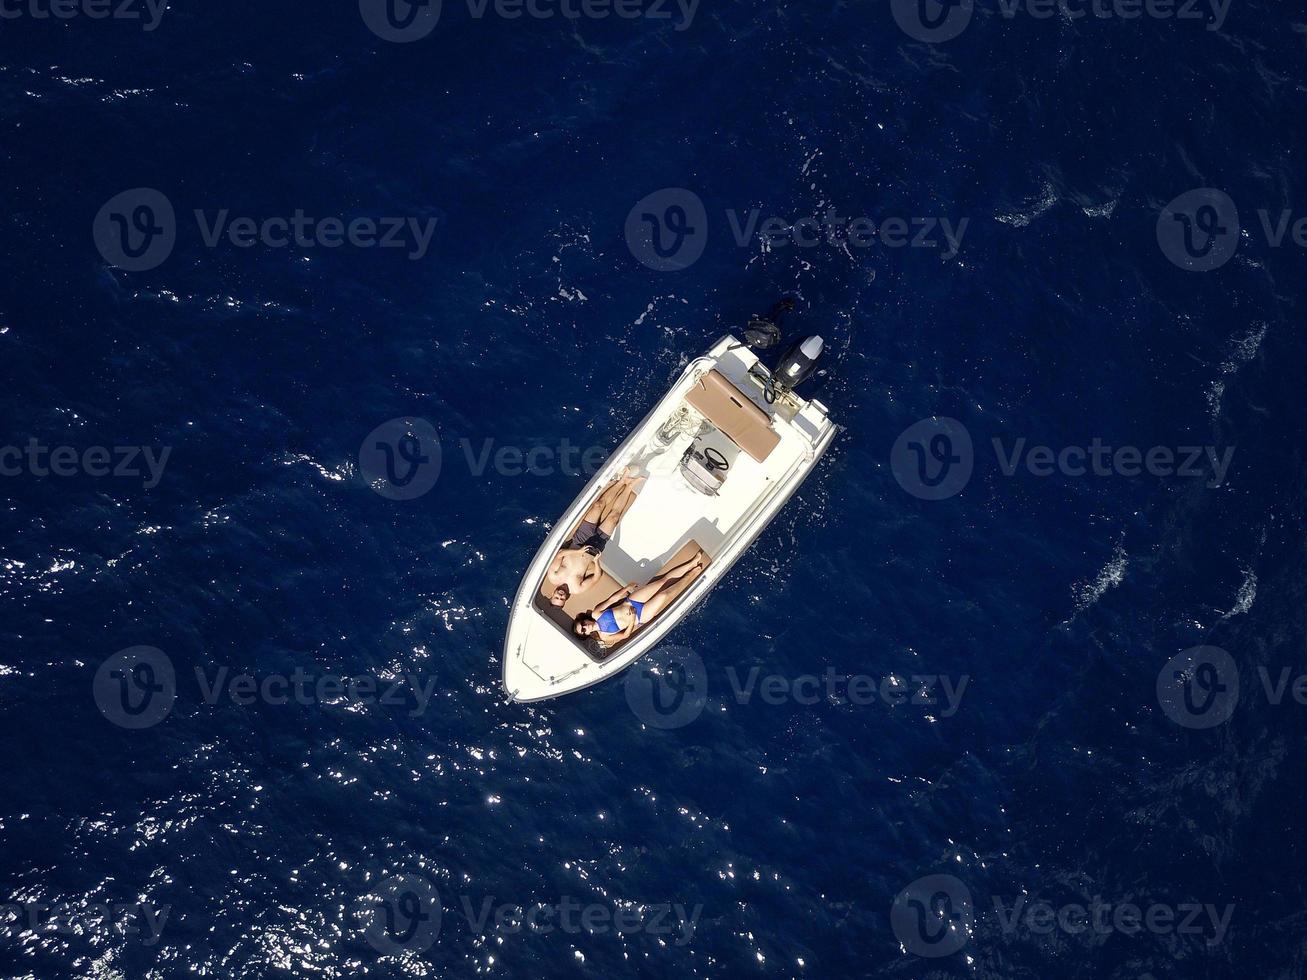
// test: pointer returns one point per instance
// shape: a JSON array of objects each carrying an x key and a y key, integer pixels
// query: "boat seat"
[{"x": 726, "y": 407}]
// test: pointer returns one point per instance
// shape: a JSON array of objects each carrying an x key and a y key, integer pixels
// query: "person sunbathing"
[
  {"x": 576, "y": 567},
  {"x": 626, "y": 610}
]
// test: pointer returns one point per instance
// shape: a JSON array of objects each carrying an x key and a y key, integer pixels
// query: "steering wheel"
[{"x": 716, "y": 459}]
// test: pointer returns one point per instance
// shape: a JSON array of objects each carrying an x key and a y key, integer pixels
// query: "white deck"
[
  {"x": 543, "y": 660},
  {"x": 668, "y": 512}
]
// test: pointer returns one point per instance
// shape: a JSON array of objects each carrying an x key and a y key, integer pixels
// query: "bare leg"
[
  {"x": 616, "y": 511},
  {"x": 664, "y": 597},
  {"x": 648, "y": 592},
  {"x": 620, "y": 504},
  {"x": 604, "y": 502}
]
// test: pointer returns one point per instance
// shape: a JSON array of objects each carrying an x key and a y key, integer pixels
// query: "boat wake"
[
  {"x": 1242, "y": 350},
  {"x": 1109, "y": 577}
]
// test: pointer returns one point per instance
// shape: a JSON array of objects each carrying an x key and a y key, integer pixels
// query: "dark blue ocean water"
[{"x": 783, "y": 829}]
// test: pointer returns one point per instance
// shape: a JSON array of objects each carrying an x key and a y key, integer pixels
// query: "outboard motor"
[{"x": 798, "y": 363}]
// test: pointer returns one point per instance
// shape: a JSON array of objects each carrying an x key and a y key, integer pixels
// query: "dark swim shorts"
[{"x": 589, "y": 536}]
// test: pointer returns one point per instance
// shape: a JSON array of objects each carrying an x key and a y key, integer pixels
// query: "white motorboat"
[{"x": 724, "y": 450}]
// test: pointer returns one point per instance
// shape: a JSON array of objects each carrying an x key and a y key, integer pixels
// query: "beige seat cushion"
[
  {"x": 726, "y": 407},
  {"x": 684, "y": 555}
]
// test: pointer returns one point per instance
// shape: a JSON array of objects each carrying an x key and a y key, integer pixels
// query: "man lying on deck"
[{"x": 577, "y": 565}]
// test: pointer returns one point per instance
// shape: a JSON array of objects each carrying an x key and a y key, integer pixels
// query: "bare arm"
[
  {"x": 589, "y": 575},
  {"x": 617, "y": 638},
  {"x": 612, "y": 639},
  {"x": 620, "y": 595}
]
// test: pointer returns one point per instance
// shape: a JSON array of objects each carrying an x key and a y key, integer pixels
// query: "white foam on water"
[
  {"x": 1242, "y": 349},
  {"x": 1246, "y": 596},
  {"x": 1109, "y": 577},
  {"x": 1031, "y": 210},
  {"x": 1099, "y": 210}
]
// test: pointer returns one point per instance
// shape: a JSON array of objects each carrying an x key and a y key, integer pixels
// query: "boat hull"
[{"x": 541, "y": 659}]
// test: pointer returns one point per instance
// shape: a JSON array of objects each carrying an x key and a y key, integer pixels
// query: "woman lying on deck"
[{"x": 627, "y": 610}]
